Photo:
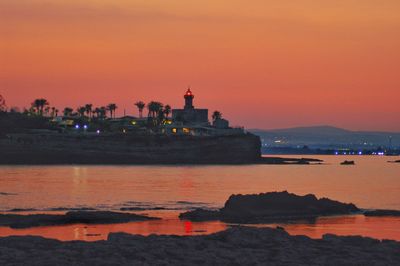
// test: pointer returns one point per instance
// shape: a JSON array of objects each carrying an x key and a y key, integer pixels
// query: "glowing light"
[
  {"x": 336, "y": 153},
  {"x": 77, "y": 126},
  {"x": 186, "y": 130},
  {"x": 85, "y": 126},
  {"x": 98, "y": 131},
  {"x": 133, "y": 122},
  {"x": 174, "y": 130}
]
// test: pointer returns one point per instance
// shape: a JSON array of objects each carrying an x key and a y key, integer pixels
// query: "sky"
[{"x": 262, "y": 63}]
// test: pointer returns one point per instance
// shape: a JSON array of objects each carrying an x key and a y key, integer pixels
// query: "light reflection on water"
[{"x": 371, "y": 183}]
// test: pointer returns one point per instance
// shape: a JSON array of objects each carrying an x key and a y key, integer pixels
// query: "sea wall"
[{"x": 128, "y": 149}]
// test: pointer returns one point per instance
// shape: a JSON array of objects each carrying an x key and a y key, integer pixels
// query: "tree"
[
  {"x": 216, "y": 115},
  {"x": 81, "y": 111},
  {"x": 53, "y": 112},
  {"x": 140, "y": 105},
  {"x": 39, "y": 105},
  {"x": 154, "y": 108},
  {"x": 3, "y": 106},
  {"x": 88, "y": 109},
  {"x": 112, "y": 107},
  {"x": 96, "y": 112},
  {"x": 103, "y": 112},
  {"x": 156, "y": 112},
  {"x": 68, "y": 111},
  {"x": 167, "y": 110}
]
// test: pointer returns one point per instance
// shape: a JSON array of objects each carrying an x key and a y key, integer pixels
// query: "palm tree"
[
  {"x": 112, "y": 107},
  {"x": 47, "y": 110},
  {"x": 81, "y": 111},
  {"x": 216, "y": 115},
  {"x": 39, "y": 105},
  {"x": 88, "y": 109},
  {"x": 53, "y": 112},
  {"x": 140, "y": 105},
  {"x": 103, "y": 112},
  {"x": 68, "y": 111},
  {"x": 3, "y": 106},
  {"x": 154, "y": 108},
  {"x": 156, "y": 113},
  {"x": 167, "y": 110},
  {"x": 96, "y": 111}
]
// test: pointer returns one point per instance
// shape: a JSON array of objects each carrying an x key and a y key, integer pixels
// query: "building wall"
[{"x": 187, "y": 116}]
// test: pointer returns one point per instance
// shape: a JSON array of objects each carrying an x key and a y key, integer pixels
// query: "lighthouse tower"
[{"x": 188, "y": 99}]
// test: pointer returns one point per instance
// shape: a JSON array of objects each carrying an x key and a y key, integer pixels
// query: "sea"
[{"x": 165, "y": 191}]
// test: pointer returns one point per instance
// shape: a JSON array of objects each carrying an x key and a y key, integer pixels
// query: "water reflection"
[{"x": 376, "y": 227}]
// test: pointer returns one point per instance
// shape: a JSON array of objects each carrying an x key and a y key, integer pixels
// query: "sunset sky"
[{"x": 262, "y": 63}]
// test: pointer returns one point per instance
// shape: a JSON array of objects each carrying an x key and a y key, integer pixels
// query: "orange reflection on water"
[
  {"x": 87, "y": 232},
  {"x": 375, "y": 227}
]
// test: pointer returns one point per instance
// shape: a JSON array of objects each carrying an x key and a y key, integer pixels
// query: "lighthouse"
[
  {"x": 190, "y": 115},
  {"x": 188, "y": 99}
]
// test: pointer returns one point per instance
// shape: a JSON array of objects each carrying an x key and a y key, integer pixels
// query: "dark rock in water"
[
  {"x": 397, "y": 161},
  {"x": 271, "y": 207},
  {"x": 199, "y": 215},
  {"x": 347, "y": 163},
  {"x": 382, "y": 213},
  {"x": 73, "y": 217},
  {"x": 274, "y": 206}
]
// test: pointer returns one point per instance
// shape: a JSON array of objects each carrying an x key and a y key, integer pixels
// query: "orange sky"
[{"x": 262, "y": 63}]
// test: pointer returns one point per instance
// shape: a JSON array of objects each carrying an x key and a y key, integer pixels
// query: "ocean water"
[{"x": 165, "y": 191}]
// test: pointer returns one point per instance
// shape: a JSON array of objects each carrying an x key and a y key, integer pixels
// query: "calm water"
[{"x": 371, "y": 183}]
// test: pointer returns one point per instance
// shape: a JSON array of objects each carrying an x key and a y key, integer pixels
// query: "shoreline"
[{"x": 237, "y": 245}]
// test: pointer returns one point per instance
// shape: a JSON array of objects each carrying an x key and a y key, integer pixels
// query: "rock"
[
  {"x": 235, "y": 246},
  {"x": 200, "y": 215},
  {"x": 72, "y": 217},
  {"x": 271, "y": 207},
  {"x": 347, "y": 163},
  {"x": 275, "y": 206},
  {"x": 382, "y": 213}
]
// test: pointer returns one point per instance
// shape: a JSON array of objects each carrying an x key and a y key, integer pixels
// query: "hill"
[{"x": 327, "y": 137}]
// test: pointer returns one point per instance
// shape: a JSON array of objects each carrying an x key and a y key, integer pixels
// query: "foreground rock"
[
  {"x": 382, "y": 213},
  {"x": 272, "y": 207},
  {"x": 73, "y": 217},
  {"x": 235, "y": 246}
]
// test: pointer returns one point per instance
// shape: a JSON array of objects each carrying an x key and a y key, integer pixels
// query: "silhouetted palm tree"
[
  {"x": 103, "y": 112},
  {"x": 140, "y": 105},
  {"x": 53, "y": 112},
  {"x": 216, "y": 115},
  {"x": 167, "y": 110},
  {"x": 3, "y": 106},
  {"x": 39, "y": 105},
  {"x": 88, "y": 109},
  {"x": 81, "y": 111},
  {"x": 156, "y": 112},
  {"x": 96, "y": 112},
  {"x": 68, "y": 111},
  {"x": 112, "y": 107}
]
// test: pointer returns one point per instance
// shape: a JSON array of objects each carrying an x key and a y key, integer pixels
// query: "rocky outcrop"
[
  {"x": 271, "y": 207},
  {"x": 72, "y": 217},
  {"x": 200, "y": 215},
  {"x": 129, "y": 149},
  {"x": 235, "y": 246},
  {"x": 382, "y": 213}
]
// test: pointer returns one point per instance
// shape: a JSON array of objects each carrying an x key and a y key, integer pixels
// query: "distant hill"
[{"x": 327, "y": 137}]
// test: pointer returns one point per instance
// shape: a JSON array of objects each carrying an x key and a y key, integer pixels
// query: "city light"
[{"x": 77, "y": 126}]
